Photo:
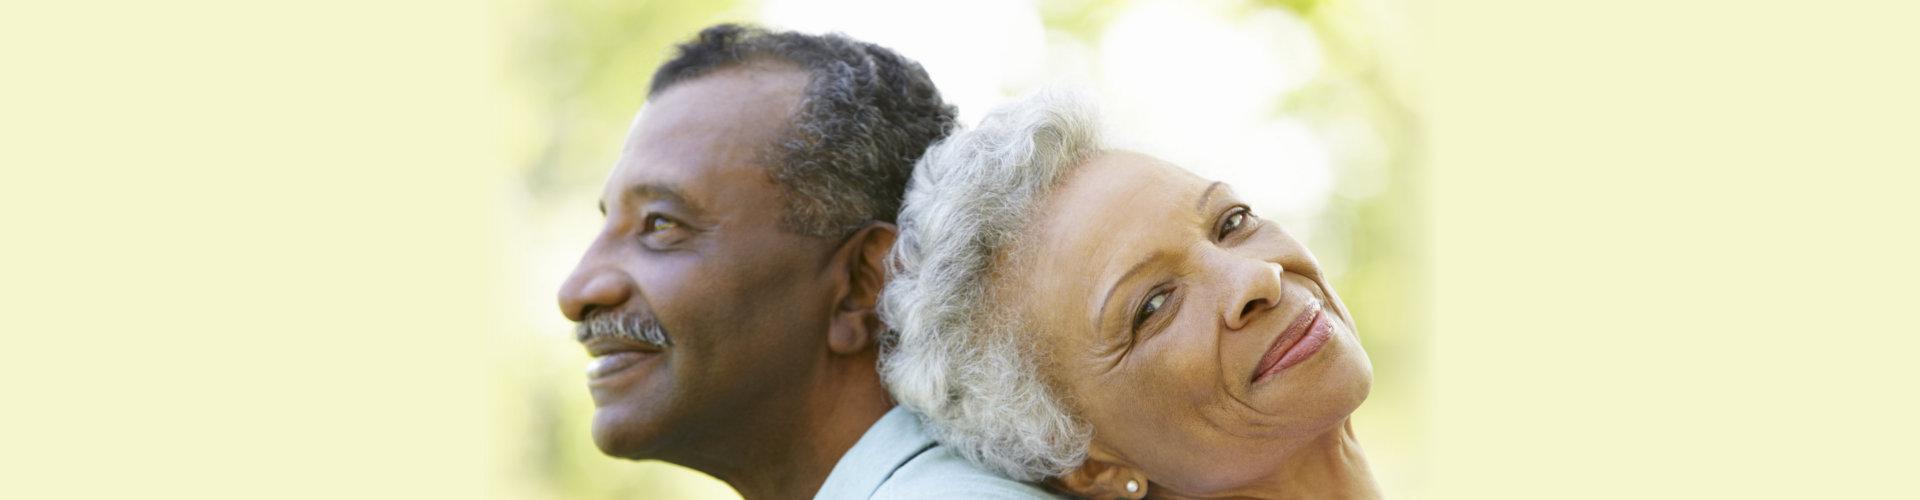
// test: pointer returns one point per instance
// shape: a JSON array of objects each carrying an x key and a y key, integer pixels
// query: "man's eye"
[
  {"x": 656, "y": 223},
  {"x": 1147, "y": 309}
]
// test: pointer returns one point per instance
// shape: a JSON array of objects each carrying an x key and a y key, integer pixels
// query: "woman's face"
[{"x": 1202, "y": 343}]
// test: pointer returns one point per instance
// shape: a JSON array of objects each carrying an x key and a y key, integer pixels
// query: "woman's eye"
[
  {"x": 1234, "y": 221},
  {"x": 1147, "y": 309}
]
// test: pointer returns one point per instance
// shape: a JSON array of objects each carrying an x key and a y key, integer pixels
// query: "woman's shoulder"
[{"x": 939, "y": 472}]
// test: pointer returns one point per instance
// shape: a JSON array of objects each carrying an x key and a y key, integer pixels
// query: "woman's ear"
[
  {"x": 856, "y": 316},
  {"x": 1103, "y": 476}
]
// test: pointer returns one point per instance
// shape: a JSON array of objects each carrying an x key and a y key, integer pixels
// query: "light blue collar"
[{"x": 892, "y": 441}]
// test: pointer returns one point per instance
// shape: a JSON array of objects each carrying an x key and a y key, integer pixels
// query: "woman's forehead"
[{"x": 1123, "y": 178}]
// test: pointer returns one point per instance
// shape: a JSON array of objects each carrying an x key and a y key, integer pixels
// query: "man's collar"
[{"x": 892, "y": 441}]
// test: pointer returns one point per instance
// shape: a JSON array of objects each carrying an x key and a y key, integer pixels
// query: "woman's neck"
[{"x": 1328, "y": 466}]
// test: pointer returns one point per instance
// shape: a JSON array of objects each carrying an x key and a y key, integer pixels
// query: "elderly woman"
[{"x": 1113, "y": 325}]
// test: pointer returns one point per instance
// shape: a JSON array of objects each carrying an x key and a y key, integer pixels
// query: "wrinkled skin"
[{"x": 1164, "y": 369}]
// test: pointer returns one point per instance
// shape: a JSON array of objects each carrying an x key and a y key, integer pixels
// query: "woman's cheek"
[{"x": 1185, "y": 371}]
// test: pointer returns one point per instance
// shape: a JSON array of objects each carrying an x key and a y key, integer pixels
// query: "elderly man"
[{"x": 729, "y": 300}]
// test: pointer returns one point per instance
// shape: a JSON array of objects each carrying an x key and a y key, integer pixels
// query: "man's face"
[{"x": 693, "y": 244}]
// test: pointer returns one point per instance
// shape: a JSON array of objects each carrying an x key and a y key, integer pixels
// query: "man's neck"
[{"x": 793, "y": 455}]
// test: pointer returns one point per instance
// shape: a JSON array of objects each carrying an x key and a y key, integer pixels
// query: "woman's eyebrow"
[
  {"x": 1137, "y": 266},
  {"x": 1201, "y": 203}
]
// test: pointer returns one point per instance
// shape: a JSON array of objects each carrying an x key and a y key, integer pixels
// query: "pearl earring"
[{"x": 1133, "y": 486}]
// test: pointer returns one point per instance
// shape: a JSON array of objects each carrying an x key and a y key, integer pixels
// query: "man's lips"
[
  {"x": 612, "y": 356},
  {"x": 1308, "y": 331},
  {"x": 602, "y": 346}
]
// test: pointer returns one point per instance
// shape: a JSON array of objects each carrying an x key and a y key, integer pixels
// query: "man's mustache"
[{"x": 622, "y": 325}]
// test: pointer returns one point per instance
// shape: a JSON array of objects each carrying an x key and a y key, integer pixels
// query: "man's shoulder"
[{"x": 941, "y": 473}]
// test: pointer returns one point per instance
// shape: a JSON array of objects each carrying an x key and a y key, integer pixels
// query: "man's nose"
[{"x": 591, "y": 288}]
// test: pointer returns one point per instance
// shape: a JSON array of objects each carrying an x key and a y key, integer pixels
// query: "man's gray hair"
[
  {"x": 867, "y": 113},
  {"x": 968, "y": 365}
]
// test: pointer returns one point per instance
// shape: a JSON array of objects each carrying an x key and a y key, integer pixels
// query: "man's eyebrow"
[
  {"x": 655, "y": 192},
  {"x": 658, "y": 191},
  {"x": 1201, "y": 203},
  {"x": 1137, "y": 266}
]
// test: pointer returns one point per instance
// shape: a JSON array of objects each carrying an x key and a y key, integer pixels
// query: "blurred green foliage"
[{"x": 587, "y": 63}]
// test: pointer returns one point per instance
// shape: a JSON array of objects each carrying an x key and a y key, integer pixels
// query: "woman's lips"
[
  {"x": 1303, "y": 338},
  {"x": 1317, "y": 336}
]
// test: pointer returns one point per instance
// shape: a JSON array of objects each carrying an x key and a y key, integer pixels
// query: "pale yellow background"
[
  {"x": 253, "y": 251},
  {"x": 1676, "y": 249}
]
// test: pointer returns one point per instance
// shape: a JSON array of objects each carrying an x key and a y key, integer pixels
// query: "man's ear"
[
  {"x": 856, "y": 316},
  {"x": 1103, "y": 476}
]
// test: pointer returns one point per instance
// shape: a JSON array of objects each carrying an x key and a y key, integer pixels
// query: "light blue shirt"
[{"x": 895, "y": 460}]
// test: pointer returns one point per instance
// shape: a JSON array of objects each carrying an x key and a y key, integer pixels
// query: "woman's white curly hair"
[{"x": 970, "y": 368}]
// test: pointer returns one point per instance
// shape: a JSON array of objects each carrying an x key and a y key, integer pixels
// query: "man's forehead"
[
  {"x": 732, "y": 97},
  {"x": 736, "y": 108},
  {"x": 712, "y": 126}
]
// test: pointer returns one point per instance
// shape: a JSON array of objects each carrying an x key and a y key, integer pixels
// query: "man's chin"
[{"x": 618, "y": 435}]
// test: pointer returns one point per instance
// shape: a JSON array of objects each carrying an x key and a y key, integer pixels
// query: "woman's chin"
[{"x": 1323, "y": 390}]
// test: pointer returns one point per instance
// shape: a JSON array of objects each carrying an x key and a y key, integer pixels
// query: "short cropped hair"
[
  {"x": 866, "y": 115},
  {"x": 957, "y": 355}
]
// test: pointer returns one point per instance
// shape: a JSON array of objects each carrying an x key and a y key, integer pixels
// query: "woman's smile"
[{"x": 1301, "y": 339}]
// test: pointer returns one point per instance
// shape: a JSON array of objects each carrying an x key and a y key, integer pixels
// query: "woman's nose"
[
  {"x": 1255, "y": 288},
  {"x": 590, "y": 288}
]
